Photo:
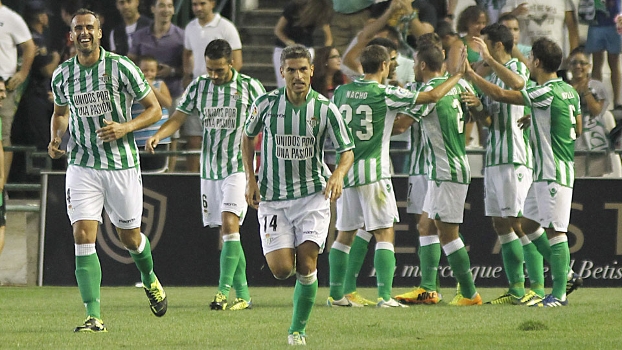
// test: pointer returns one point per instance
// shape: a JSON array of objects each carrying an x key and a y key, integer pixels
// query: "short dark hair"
[
  {"x": 147, "y": 58},
  {"x": 548, "y": 52},
  {"x": 430, "y": 39},
  {"x": 384, "y": 42},
  {"x": 217, "y": 49},
  {"x": 372, "y": 57},
  {"x": 469, "y": 15},
  {"x": 499, "y": 33},
  {"x": 507, "y": 17},
  {"x": 293, "y": 52},
  {"x": 432, "y": 56},
  {"x": 579, "y": 50},
  {"x": 1, "y": 80},
  {"x": 444, "y": 28},
  {"x": 83, "y": 11}
]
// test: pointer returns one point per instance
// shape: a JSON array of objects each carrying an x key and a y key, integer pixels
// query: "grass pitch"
[{"x": 44, "y": 317}]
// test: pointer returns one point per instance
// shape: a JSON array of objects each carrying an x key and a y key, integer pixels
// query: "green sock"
[
  {"x": 338, "y": 262},
  {"x": 144, "y": 262},
  {"x": 358, "y": 251},
  {"x": 429, "y": 258},
  {"x": 239, "y": 278},
  {"x": 304, "y": 298},
  {"x": 229, "y": 259},
  {"x": 535, "y": 268},
  {"x": 560, "y": 255},
  {"x": 384, "y": 263},
  {"x": 461, "y": 266},
  {"x": 512, "y": 253},
  {"x": 543, "y": 246},
  {"x": 89, "y": 278}
]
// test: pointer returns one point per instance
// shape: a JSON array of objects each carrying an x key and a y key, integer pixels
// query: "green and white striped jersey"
[
  {"x": 507, "y": 143},
  {"x": 554, "y": 109},
  {"x": 105, "y": 90},
  {"x": 443, "y": 134},
  {"x": 292, "y": 163},
  {"x": 223, "y": 110},
  {"x": 369, "y": 110},
  {"x": 417, "y": 153}
]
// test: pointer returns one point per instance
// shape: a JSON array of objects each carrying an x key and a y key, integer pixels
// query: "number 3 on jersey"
[{"x": 364, "y": 117}]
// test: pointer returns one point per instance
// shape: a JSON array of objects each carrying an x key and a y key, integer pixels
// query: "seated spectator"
[
  {"x": 149, "y": 66},
  {"x": 596, "y": 121}
]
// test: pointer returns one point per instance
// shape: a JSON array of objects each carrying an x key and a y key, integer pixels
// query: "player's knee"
[{"x": 283, "y": 273}]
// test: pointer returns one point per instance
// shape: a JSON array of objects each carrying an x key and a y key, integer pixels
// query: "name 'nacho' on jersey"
[
  {"x": 93, "y": 103},
  {"x": 220, "y": 118}
]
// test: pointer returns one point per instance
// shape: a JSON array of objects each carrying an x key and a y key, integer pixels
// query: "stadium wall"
[{"x": 186, "y": 254}]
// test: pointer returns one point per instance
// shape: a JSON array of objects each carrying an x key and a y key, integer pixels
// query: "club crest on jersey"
[
  {"x": 254, "y": 112},
  {"x": 104, "y": 78},
  {"x": 313, "y": 121}
]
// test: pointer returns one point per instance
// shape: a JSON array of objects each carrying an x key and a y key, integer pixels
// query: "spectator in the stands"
[
  {"x": 32, "y": 119},
  {"x": 296, "y": 25},
  {"x": 14, "y": 34},
  {"x": 121, "y": 35}
]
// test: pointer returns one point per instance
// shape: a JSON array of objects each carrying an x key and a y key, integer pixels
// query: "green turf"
[{"x": 44, "y": 317}]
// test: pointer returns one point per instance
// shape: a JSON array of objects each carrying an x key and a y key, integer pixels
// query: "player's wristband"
[{"x": 479, "y": 108}]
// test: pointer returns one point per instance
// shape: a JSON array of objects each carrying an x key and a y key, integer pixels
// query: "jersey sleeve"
[
  {"x": 421, "y": 110},
  {"x": 539, "y": 97},
  {"x": 401, "y": 99},
  {"x": 256, "y": 89},
  {"x": 254, "y": 122},
  {"x": 187, "y": 102},
  {"x": 338, "y": 132},
  {"x": 133, "y": 79},
  {"x": 520, "y": 69},
  {"x": 57, "y": 87}
]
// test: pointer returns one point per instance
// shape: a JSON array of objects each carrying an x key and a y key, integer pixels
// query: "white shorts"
[
  {"x": 120, "y": 192},
  {"x": 371, "y": 206},
  {"x": 549, "y": 204},
  {"x": 218, "y": 196},
  {"x": 417, "y": 189},
  {"x": 287, "y": 224},
  {"x": 444, "y": 201},
  {"x": 505, "y": 189}
]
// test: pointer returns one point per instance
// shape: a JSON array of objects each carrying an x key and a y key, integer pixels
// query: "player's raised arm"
[{"x": 496, "y": 93}]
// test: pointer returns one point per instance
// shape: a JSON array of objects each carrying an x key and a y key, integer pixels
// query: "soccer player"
[
  {"x": 369, "y": 109},
  {"x": 448, "y": 171},
  {"x": 429, "y": 249},
  {"x": 555, "y": 123},
  {"x": 508, "y": 166},
  {"x": 222, "y": 98},
  {"x": 294, "y": 185},
  {"x": 93, "y": 93}
]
